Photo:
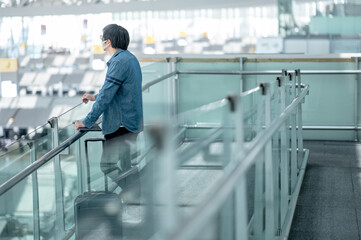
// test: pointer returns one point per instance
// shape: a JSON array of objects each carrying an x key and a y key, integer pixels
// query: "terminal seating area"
[{"x": 60, "y": 73}]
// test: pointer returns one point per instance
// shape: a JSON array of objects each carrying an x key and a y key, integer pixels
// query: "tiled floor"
[{"x": 329, "y": 205}]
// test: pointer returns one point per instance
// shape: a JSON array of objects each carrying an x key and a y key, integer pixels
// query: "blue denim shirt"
[{"x": 120, "y": 98}]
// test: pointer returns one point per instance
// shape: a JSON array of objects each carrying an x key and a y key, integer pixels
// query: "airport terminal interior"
[{"x": 251, "y": 112}]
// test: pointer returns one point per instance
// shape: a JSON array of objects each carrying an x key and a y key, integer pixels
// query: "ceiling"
[
  {"x": 10, "y": 8},
  {"x": 60, "y": 7}
]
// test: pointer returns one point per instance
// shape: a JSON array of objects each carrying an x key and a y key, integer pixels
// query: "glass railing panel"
[
  {"x": 197, "y": 90},
  {"x": 154, "y": 70},
  {"x": 47, "y": 201},
  {"x": 33, "y": 135},
  {"x": 321, "y": 105},
  {"x": 222, "y": 224},
  {"x": 19, "y": 157},
  {"x": 157, "y": 102},
  {"x": 14, "y": 162},
  {"x": 78, "y": 112},
  {"x": 43, "y": 144},
  {"x": 16, "y": 211},
  {"x": 275, "y": 100},
  {"x": 210, "y": 64},
  {"x": 253, "y": 113},
  {"x": 71, "y": 180}
]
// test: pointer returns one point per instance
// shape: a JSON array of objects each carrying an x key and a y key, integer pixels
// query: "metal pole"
[
  {"x": 269, "y": 178},
  {"x": 175, "y": 81},
  {"x": 258, "y": 225},
  {"x": 36, "y": 217},
  {"x": 241, "y": 209},
  {"x": 276, "y": 158},
  {"x": 294, "y": 164},
  {"x": 241, "y": 66},
  {"x": 166, "y": 182},
  {"x": 58, "y": 181},
  {"x": 227, "y": 220},
  {"x": 299, "y": 121},
  {"x": 79, "y": 167},
  {"x": 175, "y": 86},
  {"x": 268, "y": 72},
  {"x": 170, "y": 91},
  {"x": 284, "y": 155},
  {"x": 356, "y": 99}
]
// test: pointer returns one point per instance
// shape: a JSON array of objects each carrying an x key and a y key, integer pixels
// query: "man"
[{"x": 120, "y": 102}]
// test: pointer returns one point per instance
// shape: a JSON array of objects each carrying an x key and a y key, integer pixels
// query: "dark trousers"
[{"x": 116, "y": 157}]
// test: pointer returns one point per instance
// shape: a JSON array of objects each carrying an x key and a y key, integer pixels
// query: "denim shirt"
[{"x": 120, "y": 98}]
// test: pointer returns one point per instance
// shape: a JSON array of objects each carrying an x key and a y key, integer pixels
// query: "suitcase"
[{"x": 97, "y": 213}]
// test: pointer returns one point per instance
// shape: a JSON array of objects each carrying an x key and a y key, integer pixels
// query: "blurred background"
[{"x": 51, "y": 48}]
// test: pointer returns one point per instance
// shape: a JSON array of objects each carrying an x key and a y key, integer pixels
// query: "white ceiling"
[{"x": 61, "y": 7}]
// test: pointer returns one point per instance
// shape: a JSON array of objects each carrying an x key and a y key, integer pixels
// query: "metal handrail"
[
  {"x": 202, "y": 109},
  {"x": 38, "y": 163},
  {"x": 268, "y": 72},
  {"x": 212, "y": 203},
  {"x": 155, "y": 81}
]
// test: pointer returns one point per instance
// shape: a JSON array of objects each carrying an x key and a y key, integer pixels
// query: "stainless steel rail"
[
  {"x": 211, "y": 126},
  {"x": 155, "y": 81},
  {"x": 38, "y": 163},
  {"x": 271, "y": 72},
  {"x": 268, "y": 72},
  {"x": 213, "y": 202}
]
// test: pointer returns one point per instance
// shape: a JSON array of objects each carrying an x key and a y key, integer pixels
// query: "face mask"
[{"x": 104, "y": 47}]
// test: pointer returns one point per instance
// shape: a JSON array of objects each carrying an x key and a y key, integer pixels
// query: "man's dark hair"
[{"x": 118, "y": 36}]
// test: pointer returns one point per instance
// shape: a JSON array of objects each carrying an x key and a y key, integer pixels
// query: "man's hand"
[
  {"x": 87, "y": 97},
  {"x": 78, "y": 124}
]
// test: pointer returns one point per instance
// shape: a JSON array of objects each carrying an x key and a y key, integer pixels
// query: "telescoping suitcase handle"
[
  {"x": 94, "y": 128},
  {"x": 88, "y": 165}
]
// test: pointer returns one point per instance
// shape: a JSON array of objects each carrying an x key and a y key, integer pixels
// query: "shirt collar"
[{"x": 115, "y": 54}]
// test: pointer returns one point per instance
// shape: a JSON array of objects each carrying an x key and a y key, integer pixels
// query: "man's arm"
[{"x": 104, "y": 97}]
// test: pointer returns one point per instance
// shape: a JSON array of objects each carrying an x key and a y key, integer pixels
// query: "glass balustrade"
[{"x": 191, "y": 155}]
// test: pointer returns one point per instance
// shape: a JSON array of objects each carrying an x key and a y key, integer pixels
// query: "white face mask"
[{"x": 104, "y": 47}]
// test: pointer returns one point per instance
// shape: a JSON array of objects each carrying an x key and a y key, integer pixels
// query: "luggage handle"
[
  {"x": 88, "y": 164},
  {"x": 94, "y": 128}
]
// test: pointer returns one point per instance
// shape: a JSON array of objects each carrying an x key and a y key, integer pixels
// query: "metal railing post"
[
  {"x": 166, "y": 184},
  {"x": 284, "y": 197},
  {"x": 79, "y": 167},
  {"x": 241, "y": 209},
  {"x": 227, "y": 134},
  {"x": 269, "y": 177},
  {"x": 226, "y": 215},
  {"x": 356, "y": 104},
  {"x": 258, "y": 225},
  {"x": 171, "y": 90},
  {"x": 58, "y": 182},
  {"x": 299, "y": 122},
  {"x": 34, "y": 175},
  {"x": 294, "y": 162},
  {"x": 276, "y": 155},
  {"x": 241, "y": 67},
  {"x": 175, "y": 85},
  {"x": 227, "y": 220}
]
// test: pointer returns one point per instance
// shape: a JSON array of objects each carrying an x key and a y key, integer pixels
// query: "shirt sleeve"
[{"x": 113, "y": 81}]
